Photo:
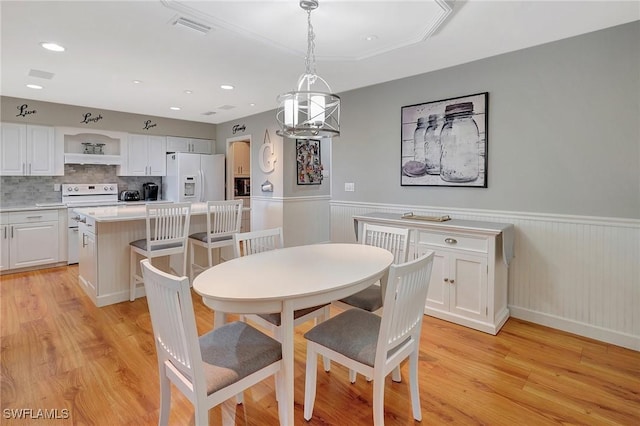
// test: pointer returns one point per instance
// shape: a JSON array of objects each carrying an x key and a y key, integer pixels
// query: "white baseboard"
[{"x": 604, "y": 335}]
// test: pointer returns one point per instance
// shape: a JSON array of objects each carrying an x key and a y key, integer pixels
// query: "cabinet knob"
[
  {"x": 446, "y": 280},
  {"x": 452, "y": 281},
  {"x": 451, "y": 241}
]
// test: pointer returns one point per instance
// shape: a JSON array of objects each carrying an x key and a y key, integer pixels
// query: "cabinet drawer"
[
  {"x": 33, "y": 216},
  {"x": 453, "y": 241}
]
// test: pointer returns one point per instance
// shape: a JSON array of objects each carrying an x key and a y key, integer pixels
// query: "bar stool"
[
  {"x": 167, "y": 231},
  {"x": 223, "y": 220}
]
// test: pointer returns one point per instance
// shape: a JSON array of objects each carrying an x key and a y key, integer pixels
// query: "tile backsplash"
[{"x": 18, "y": 191}]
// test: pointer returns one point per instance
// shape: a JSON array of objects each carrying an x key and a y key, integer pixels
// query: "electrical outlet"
[
  {"x": 349, "y": 187},
  {"x": 56, "y": 187}
]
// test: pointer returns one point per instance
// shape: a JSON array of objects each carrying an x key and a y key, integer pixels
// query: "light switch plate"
[{"x": 349, "y": 187}]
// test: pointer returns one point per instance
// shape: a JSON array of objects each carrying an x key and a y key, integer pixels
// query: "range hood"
[{"x": 75, "y": 158}]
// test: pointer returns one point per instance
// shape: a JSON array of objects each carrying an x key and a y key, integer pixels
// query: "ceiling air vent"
[
  {"x": 41, "y": 74},
  {"x": 192, "y": 25},
  {"x": 226, "y": 107},
  {"x": 208, "y": 113}
]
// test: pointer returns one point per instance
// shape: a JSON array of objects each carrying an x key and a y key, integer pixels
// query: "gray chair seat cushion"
[
  {"x": 202, "y": 236},
  {"x": 142, "y": 244},
  {"x": 276, "y": 319},
  {"x": 369, "y": 299},
  {"x": 353, "y": 333},
  {"x": 234, "y": 351}
]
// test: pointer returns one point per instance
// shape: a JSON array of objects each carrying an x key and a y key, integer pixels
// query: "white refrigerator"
[{"x": 194, "y": 177}]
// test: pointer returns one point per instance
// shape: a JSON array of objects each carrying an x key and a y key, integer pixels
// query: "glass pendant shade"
[{"x": 308, "y": 114}]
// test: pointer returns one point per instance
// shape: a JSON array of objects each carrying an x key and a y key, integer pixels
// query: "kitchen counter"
[
  {"x": 126, "y": 212},
  {"x": 37, "y": 206}
]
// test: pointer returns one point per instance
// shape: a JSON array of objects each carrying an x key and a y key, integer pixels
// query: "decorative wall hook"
[{"x": 266, "y": 186}]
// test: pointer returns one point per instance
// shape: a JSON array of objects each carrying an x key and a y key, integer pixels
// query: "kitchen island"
[{"x": 105, "y": 234}]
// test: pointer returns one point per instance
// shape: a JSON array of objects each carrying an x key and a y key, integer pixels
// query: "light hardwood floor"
[{"x": 59, "y": 352}]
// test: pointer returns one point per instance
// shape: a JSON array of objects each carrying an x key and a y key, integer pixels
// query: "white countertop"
[
  {"x": 37, "y": 206},
  {"x": 127, "y": 212}
]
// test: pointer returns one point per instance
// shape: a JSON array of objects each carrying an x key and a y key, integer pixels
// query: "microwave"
[{"x": 242, "y": 187}]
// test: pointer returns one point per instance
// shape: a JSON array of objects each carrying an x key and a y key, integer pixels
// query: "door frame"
[{"x": 229, "y": 154}]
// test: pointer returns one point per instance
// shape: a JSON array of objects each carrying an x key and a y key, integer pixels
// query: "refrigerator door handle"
[{"x": 201, "y": 186}]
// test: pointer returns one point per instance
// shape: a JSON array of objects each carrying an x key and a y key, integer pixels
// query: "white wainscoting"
[
  {"x": 575, "y": 273},
  {"x": 304, "y": 220}
]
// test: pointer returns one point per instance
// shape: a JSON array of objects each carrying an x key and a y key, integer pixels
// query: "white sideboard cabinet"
[{"x": 470, "y": 271}]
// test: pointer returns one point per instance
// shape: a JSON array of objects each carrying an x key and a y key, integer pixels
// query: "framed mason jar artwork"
[
  {"x": 444, "y": 143},
  {"x": 309, "y": 164}
]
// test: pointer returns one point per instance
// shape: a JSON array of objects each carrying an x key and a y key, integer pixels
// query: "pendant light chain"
[{"x": 310, "y": 59}]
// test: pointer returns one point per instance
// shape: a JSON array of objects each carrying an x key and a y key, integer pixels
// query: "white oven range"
[{"x": 84, "y": 195}]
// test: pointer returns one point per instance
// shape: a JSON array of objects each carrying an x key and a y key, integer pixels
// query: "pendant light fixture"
[{"x": 309, "y": 112}]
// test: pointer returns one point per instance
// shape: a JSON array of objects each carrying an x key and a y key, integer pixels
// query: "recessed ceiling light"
[
  {"x": 371, "y": 37},
  {"x": 252, "y": 104},
  {"x": 226, "y": 86},
  {"x": 136, "y": 81},
  {"x": 34, "y": 86},
  {"x": 54, "y": 47},
  {"x": 188, "y": 92},
  {"x": 175, "y": 108}
]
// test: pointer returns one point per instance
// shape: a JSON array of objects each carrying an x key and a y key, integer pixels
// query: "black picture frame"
[
  {"x": 457, "y": 157},
  {"x": 309, "y": 163}
]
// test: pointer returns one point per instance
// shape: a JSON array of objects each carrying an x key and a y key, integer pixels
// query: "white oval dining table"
[{"x": 288, "y": 279}]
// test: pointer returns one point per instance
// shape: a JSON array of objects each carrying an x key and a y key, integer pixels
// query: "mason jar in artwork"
[
  {"x": 460, "y": 159},
  {"x": 432, "y": 148}
]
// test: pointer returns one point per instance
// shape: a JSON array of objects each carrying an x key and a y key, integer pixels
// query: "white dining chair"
[
  {"x": 373, "y": 345},
  {"x": 208, "y": 369},
  {"x": 396, "y": 240},
  {"x": 223, "y": 220},
  {"x": 167, "y": 227},
  {"x": 253, "y": 242}
]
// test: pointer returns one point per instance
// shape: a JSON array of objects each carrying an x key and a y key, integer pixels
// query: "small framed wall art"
[
  {"x": 444, "y": 143},
  {"x": 309, "y": 164}
]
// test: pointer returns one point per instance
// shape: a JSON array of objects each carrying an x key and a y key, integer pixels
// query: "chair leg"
[
  {"x": 352, "y": 376},
  {"x": 209, "y": 257},
  {"x": 132, "y": 276},
  {"x": 310, "y": 382},
  {"x": 191, "y": 261},
  {"x": 165, "y": 397},
  {"x": 201, "y": 414},
  {"x": 326, "y": 314},
  {"x": 413, "y": 385},
  {"x": 378, "y": 400},
  {"x": 396, "y": 376}
]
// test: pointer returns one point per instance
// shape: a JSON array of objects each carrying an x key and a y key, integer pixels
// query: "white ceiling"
[{"x": 259, "y": 47}]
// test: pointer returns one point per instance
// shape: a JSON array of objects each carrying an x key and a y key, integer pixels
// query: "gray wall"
[
  {"x": 564, "y": 132},
  {"x": 52, "y": 114},
  {"x": 284, "y": 175}
]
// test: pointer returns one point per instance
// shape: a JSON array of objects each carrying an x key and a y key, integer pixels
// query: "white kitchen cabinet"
[
  {"x": 30, "y": 150},
  {"x": 469, "y": 277},
  {"x": 145, "y": 156},
  {"x": 4, "y": 244},
  {"x": 241, "y": 159},
  {"x": 88, "y": 257},
  {"x": 192, "y": 145},
  {"x": 32, "y": 239}
]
